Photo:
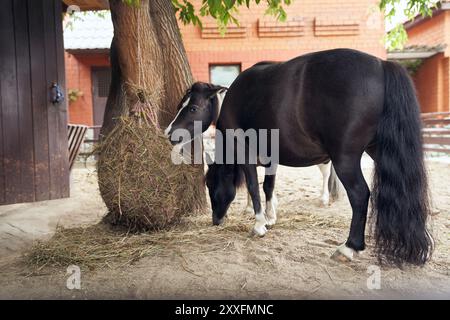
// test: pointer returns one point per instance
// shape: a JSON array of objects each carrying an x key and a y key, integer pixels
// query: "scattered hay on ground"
[
  {"x": 312, "y": 220},
  {"x": 103, "y": 245}
]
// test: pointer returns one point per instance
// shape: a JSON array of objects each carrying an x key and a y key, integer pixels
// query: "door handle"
[{"x": 57, "y": 93}]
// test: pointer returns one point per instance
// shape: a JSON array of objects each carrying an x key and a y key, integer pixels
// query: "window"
[
  {"x": 103, "y": 81},
  {"x": 224, "y": 75}
]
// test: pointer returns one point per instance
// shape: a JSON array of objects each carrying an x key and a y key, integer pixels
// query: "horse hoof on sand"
[
  {"x": 343, "y": 254},
  {"x": 323, "y": 203},
  {"x": 270, "y": 222},
  {"x": 260, "y": 231}
]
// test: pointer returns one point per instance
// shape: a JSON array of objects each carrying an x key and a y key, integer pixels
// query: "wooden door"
[
  {"x": 101, "y": 80},
  {"x": 33, "y": 130}
]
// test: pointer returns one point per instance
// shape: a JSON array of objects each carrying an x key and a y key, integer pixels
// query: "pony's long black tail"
[{"x": 400, "y": 203}]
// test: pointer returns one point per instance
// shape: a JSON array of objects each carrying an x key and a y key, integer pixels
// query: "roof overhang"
[
  {"x": 415, "y": 52},
  {"x": 86, "y": 5},
  {"x": 440, "y": 7},
  {"x": 410, "y": 55},
  {"x": 88, "y": 51}
]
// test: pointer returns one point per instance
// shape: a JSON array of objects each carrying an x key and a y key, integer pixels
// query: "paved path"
[{"x": 21, "y": 224}]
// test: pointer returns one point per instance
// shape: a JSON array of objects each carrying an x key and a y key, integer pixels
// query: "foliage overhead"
[
  {"x": 225, "y": 12},
  {"x": 397, "y": 36}
]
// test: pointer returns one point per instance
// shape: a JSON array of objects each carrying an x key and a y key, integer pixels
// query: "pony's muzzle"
[{"x": 216, "y": 221}]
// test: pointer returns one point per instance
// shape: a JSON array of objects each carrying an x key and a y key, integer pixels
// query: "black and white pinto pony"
[{"x": 329, "y": 106}]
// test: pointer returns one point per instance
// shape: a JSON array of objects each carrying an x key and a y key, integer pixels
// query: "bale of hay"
[{"x": 141, "y": 187}]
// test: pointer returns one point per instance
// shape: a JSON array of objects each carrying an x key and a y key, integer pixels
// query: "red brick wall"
[
  {"x": 78, "y": 76},
  {"x": 446, "y": 86},
  {"x": 426, "y": 80},
  {"x": 432, "y": 78},
  {"x": 325, "y": 24},
  {"x": 430, "y": 32},
  {"x": 313, "y": 25}
]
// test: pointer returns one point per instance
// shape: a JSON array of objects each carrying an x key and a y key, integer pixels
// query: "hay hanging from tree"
[
  {"x": 138, "y": 182},
  {"x": 141, "y": 187}
]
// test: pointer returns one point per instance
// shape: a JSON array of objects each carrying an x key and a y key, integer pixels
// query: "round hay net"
[{"x": 141, "y": 187}]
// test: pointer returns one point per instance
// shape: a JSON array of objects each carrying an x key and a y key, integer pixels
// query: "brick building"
[
  {"x": 429, "y": 41},
  {"x": 312, "y": 25}
]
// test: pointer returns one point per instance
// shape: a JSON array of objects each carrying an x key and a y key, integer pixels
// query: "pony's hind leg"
[
  {"x": 325, "y": 169},
  {"x": 271, "y": 199},
  {"x": 251, "y": 178},
  {"x": 348, "y": 169},
  {"x": 249, "y": 206}
]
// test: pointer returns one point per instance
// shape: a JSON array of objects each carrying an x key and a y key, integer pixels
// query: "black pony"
[
  {"x": 202, "y": 103},
  {"x": 334, "y": 105}
]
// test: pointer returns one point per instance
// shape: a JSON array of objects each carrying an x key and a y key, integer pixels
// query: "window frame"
[{"x": 225, "y": 64}]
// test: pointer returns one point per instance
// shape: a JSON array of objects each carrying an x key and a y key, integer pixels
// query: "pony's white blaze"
[
  {"x": 220, "y": 96},
  {"x": 260, "y": 225},
  {"x": 169, "y": 127},
  {"x": 271, "y": 210},
  {"x": 325, "y": 169}
]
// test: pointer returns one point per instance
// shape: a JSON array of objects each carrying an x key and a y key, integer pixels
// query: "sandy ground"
[{"x": 292, "y": 261}]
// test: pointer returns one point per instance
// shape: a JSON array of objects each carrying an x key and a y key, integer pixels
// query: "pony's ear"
[
  {"x": 189, "y": 89},
  {"x": 213, "y": 90}
]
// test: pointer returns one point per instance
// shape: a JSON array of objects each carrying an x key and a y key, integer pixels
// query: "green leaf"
[
  {"x": 229, "y": 4},
  {"x": 396, "y": 38}
]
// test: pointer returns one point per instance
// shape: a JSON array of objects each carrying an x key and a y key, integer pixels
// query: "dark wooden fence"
[
  {"x": 436, "y": 132},
  {"x": 77, "y": 135},
  {"x": 89, "y": 144}
]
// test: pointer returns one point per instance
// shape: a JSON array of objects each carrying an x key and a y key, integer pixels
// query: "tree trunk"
[
  {"x": 177, "y": 72},
  {"x": 148, "y": 62}
]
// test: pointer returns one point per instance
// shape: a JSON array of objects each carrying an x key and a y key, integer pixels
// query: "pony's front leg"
[
  {"x": 325, "y": 169},
  {"x": 271, "y": 199},
  {"x": 251, "y": 177}
]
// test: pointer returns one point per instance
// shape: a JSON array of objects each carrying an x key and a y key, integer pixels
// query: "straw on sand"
[{"x": 103, "y": 245}]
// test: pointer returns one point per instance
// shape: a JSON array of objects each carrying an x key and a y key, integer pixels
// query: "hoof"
[
  {"x": 271, "y": 221},
  {"x": 259, "y": 231},
  {"x": 323, "y": 202},
  {"x": 343, "y": 254}
]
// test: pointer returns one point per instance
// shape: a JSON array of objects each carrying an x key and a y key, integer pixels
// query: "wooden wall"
[{"x": 33, "y": 130}]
